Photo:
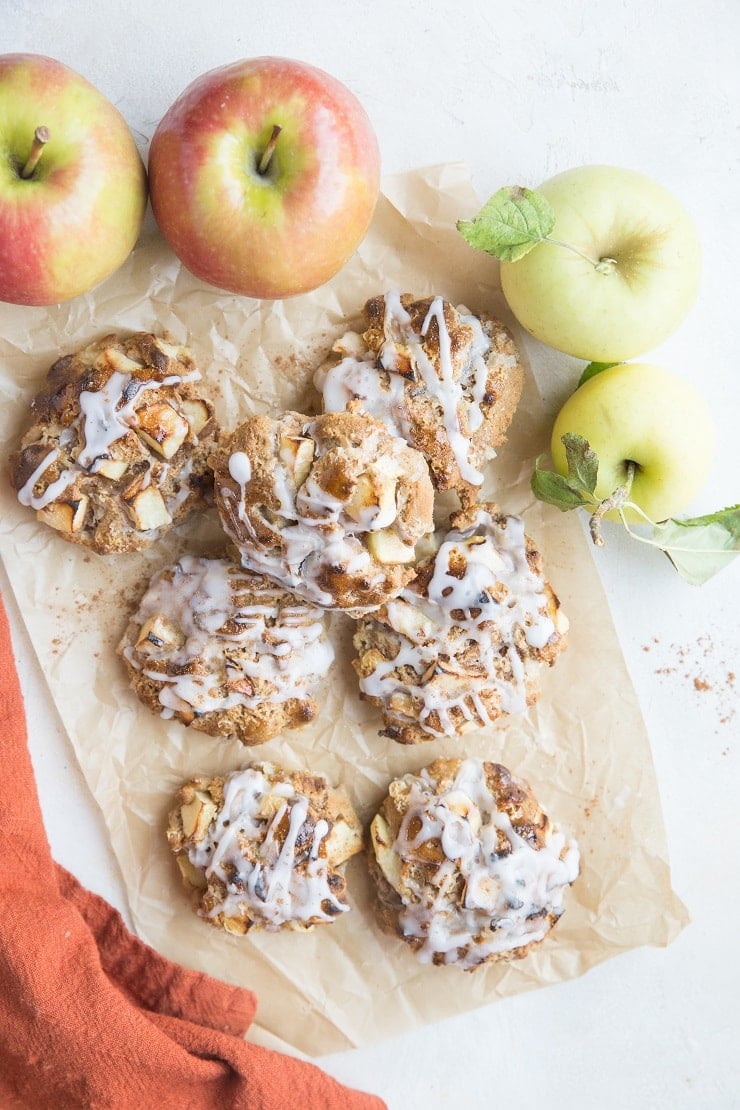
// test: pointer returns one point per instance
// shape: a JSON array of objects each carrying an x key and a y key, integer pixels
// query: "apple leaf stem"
[
  {"x": 41, "y": 137},
  {"x": 601, "y": 265},
  {"x": 698, "y": 547},
  {"x": 264, "y": 162}
]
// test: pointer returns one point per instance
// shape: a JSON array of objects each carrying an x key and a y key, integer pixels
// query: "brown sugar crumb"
[{"x": 689, "y": 662}]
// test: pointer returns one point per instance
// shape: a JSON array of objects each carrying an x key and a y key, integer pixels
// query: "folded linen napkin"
[{"x": 90, "y": 1016}]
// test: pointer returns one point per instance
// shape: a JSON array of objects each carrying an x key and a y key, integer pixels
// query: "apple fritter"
[
  {"x": 331, "y": 507},
  {"x": 445, "y": 380},
  {"x": 226, "y": 651},
  {"x": 117, "y": 450},
  {"x": 262, "y": 848},
  {"x": 468, "y": 868},
  {"x": 462, "y": 644}
]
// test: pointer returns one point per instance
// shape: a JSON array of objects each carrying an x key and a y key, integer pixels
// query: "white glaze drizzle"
[
  {"x": 105, "y": 416},
  {"x": 240, "y": 468},
  {"x": 54, "y": 489},
  {"x": 356, "y": 377},
  {"x": 315, "y": 530},
  {"x": 283, "y": 882},
  {"x": 507, "y": 897},
  {"x": 284, "y": 648},
  {"x": 499, "y": 561}
]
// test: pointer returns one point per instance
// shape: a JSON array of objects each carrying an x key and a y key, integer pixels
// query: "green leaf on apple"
[
  {"x": 583, "y": 465},
  {"x": 556, "y": 490},
  {"x": 510, "y": 224},
  {"x": 593, "y": 369},
  {"x": 577, "y": 488},
  {"x": 701, "y": 546},
  {"x": 697, "y": 547},
  {"x": 729, "y": 519}
]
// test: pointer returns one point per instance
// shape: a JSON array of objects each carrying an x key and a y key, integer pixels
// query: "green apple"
[
  {"x": 73, "y": 187},
  {"x": 630, "y": 278},
  {"x": 264, "y": 175},
  {"x": 640, "y": 413}
]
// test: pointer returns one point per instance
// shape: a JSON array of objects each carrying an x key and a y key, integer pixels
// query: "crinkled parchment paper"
[{"x": 583, "y": 748}]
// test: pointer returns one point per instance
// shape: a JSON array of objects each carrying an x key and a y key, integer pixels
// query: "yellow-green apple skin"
[
  {"x": 607, "y": 213},
  {"x": 644, "y": 414},
  {"x": 284, "y": 231},
  {"x": 76, "y": 218}
]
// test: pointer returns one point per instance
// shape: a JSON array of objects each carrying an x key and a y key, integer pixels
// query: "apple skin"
[
  {"x": 647, "y": 415},
  {"x": 283, "y": 232},
  {"x": 607, "y": 212},
  {"x": 77, "y": 217}
]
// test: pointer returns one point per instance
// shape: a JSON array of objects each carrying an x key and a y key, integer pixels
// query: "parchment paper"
[{"x": 584, "y": 748}]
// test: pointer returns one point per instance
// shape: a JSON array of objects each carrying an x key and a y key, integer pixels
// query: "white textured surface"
[{"x": 519, "y": 92}]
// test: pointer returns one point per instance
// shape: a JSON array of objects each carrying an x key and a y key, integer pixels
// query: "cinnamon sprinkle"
[{"x": 691, "y": 664}]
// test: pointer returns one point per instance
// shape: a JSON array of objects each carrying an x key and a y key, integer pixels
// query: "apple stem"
[
  {"x": 41, "y": 137},
  {"x": 615, "y": 500},
  {"x": 602, "y": 265},
  {"x": 269, "y": 150},
  {"x": 606, "y": 265}
]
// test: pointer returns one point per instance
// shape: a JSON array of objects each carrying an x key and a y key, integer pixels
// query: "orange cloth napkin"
[{"x": 92, "y": 1017}]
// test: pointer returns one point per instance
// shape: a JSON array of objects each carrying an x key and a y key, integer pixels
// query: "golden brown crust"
[
  {"x": 331, "y": 506},
  {"x": 476, "y": 393},
  {"x": 428, "y": 891},
  {"x": 226, "y": 651},
  {"x": 438, "y": 661},
  {"x": 125, "y": 435},
  {"x": 294, "y": 822}
]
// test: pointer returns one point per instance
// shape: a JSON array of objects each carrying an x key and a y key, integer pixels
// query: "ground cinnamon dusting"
[{"x": 691, "y": 663}]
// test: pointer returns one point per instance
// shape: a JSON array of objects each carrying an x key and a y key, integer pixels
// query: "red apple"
[
  {"x": 264, "y": 176},
  {"x": 72, "y": 183}
]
